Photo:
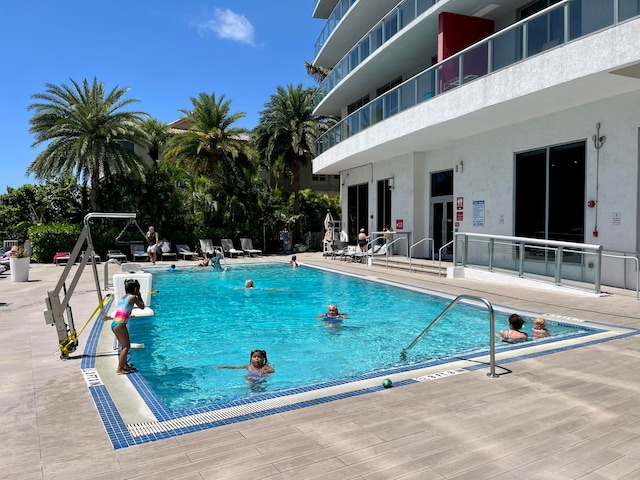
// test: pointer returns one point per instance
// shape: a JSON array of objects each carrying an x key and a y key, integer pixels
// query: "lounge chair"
[
  {"x": 116, "y": 255},
  {"x": 61, "y": 258},
  {"x": 332, "y": 250},
  {"x": 206, "y": 245},
  {"x": 95, "y": 256},
  {"x": 228, "y": 249},
  {"x": 247, "y": 247},
  {"x": 185, "y": 252},
  {"x": 138, "y": 252}
]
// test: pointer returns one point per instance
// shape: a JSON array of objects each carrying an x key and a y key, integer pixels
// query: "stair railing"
[{"x": 433, "y": 257}]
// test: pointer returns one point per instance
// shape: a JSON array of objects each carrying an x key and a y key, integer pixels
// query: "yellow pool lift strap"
[{"x": 56, "y": 308}]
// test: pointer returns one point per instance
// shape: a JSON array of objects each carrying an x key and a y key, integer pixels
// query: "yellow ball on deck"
[{"x": 387, "y": 383}]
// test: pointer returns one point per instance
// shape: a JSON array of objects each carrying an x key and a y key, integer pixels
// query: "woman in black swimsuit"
[{"x": 363, "y": 238}]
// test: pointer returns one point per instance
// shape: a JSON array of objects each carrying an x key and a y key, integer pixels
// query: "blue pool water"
[{"x": 206, "y": 318}]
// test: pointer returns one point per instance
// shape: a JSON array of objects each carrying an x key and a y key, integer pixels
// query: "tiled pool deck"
[{"x": 574, "y": 413}]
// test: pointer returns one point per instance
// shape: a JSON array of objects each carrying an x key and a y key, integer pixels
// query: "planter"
[{"x": 19, "y": 269}]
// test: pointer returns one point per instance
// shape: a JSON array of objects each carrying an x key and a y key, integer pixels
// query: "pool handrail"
[
  {"x": 433, "y": 256},
  {"x": 629, "y": 257},
  {"x": 440, "y": 255},
  {"x": 454, "y": 302}
]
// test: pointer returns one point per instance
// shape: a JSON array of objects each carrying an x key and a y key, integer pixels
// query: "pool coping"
[{"x": 133, "y": 414}]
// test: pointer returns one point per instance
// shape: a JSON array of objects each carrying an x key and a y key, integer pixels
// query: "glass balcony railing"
[
  {"x": 558, "y": 24},
  {"x": 339, "y": 11},
  {"x": 395, "y": 21}
]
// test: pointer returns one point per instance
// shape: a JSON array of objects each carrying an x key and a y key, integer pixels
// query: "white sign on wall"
[
  {"x": 478, "y": 213},
  {"x": 617, "y": 218}
]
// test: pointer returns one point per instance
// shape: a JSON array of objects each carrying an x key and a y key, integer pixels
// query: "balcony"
[
  {"x": 550, "y": 29},
  {"x": 395, "y": 21}
]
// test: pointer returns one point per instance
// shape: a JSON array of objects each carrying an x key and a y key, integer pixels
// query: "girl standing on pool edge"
[{"x": 120, "y": 319}]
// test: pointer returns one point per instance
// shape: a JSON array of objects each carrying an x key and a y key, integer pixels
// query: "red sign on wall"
[
  {"x": 460, "y": 203},
  {"x": 459, "y": 216},
  {"x": 399, "y": 223}
]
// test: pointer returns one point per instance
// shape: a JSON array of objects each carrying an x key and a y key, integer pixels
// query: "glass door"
[
  {"x": 442, "y": 212},
  {"x": 442, "y": 227}
]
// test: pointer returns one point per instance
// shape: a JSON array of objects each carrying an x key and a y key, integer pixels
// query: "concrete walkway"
[{"x": 568, "y": 415}]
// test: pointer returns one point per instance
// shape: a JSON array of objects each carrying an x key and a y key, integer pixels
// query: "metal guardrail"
[
  {"x": 492, "y": 330},
  {"x": 553, "y": 251}
]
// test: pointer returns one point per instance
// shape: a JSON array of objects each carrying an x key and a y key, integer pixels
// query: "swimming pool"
[{"x": 204, "y": 318}]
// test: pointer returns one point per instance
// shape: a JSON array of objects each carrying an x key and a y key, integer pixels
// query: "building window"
[
  {"x": 550, "y": 193},
  {"x": 357, "y": 104},
  {"x": 319, "y": 178},
  {"x": 534, "y": 7},
  {"x": 358, "y": 210},
  {"x": 385, "y": 88}
]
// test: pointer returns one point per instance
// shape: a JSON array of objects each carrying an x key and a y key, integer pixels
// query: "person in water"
[
  {"x": 332, "y": 313},
  {"x": 294, "y": 261},
  {"x": 120, "y": 319},
  {"x": 258, "y": 364},
  {"x": 540, "y": 329},
  {"x": 514, "y": 334}
]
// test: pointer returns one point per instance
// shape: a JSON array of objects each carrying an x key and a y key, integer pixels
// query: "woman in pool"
[
  {"x": 258, "y": 364},
  {"x": 120, "y": 319},
  {"x": 332, "y": 314},
  {"x": 514, "y": 334}
]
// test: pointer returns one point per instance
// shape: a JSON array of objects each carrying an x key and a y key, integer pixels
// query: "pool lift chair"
[{"x": 58, "y": 311}]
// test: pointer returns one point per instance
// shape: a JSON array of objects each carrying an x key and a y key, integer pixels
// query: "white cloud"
[{"x": 229, "y": 25}]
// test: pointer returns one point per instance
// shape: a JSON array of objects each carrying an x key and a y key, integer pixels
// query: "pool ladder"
[{"x": 492, "y": 329}]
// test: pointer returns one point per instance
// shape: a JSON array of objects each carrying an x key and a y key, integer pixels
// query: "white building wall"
[{"x": 488, "y": 172}]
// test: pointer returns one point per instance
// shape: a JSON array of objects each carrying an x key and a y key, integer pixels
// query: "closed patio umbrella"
[{"x": 328, "y": 226}]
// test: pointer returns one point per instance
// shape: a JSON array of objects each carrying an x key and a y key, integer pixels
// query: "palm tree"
[
  {"x": 315, "y": 72},
  {"x": 212, "y": 146},
  {"x": 157, "y": 133},
  {"x": 89, "y": 135},
  {"x": 287, "y": 131}
]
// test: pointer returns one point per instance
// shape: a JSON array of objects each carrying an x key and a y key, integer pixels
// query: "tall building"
[{"x": 505, "y": 117}]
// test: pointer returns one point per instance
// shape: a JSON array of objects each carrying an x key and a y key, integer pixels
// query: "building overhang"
[{"x": 596, "y": 67}]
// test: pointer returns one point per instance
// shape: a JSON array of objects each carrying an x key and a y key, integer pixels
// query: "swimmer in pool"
[
  {"x": 332, "y": 314},
  {"x": 258, "y": 364},
  {"x": 540, "y": 329},
  {"x": 120, "y": 319},
  {"x": 514, "y": 334}
]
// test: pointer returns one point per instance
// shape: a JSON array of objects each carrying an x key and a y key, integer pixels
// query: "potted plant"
[{"x": 19, "y": 261}]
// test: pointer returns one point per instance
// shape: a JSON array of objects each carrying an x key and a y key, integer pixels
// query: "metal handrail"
[
  {"x": 492, "y": 330},
  {"x": 433, "y": 256},
  {"x": 521, "y": 243},
  {"x": 626, "y": 257},
  {"x": 440, "y": 255},
  {"x": 388, "y": 250}
]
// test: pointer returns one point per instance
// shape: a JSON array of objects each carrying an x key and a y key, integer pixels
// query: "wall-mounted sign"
[{"x": 478, "y": 213}]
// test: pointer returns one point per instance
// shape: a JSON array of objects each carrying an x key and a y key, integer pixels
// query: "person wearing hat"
[{"x": 363, "y": 238}]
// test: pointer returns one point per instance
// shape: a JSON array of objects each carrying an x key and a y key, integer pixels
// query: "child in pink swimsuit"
[{"x": 120, "y": 319}]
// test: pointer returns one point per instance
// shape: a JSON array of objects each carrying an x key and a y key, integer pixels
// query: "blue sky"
[{"x": 164, "y": 51}]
